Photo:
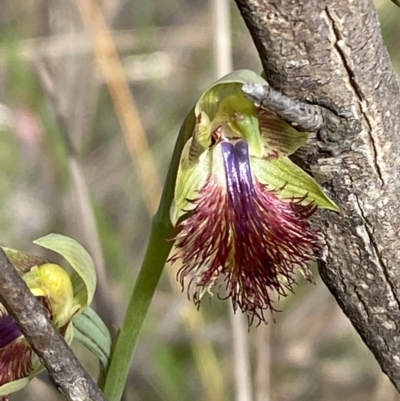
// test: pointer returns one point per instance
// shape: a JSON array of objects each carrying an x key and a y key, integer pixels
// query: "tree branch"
[
  {"x": 47, "y": 342},
  {"x": 330, "y": 53}
]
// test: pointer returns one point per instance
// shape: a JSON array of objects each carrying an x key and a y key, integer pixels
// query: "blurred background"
[{"x": 91, "y": 99}]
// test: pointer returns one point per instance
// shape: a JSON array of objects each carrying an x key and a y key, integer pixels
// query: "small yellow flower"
[{"x": 62, "y": 295}]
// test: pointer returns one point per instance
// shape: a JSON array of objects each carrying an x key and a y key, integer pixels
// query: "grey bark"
[{"x": 330, "y": 53}]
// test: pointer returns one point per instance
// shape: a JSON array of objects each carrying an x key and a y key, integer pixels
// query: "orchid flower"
[
  {"x": 63, "y": 295},
  {"x": 241, "y": 205}
]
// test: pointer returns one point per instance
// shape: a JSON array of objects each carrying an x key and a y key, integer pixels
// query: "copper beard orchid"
[
  {"x": 62, "y": 295},
  {"x": 240, "y": 204}
]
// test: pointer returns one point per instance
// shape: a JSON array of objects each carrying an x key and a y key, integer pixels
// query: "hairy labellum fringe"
[{"x": 247, "y": 235}]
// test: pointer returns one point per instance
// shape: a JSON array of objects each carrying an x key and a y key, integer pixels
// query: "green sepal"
[
  {"x": 84, "y": 275},
  {"x": 92, "y": 333},
  {"x": 189, "y": 181},
  {"x": 291, "y": 181},
  {"x": 279, "y": 137},
  {"x": 15, "y": 385}
]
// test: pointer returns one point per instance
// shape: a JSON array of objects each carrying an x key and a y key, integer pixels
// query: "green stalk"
[
  {"x": 157, "y": 253},
  {"x": 146, "y": 283}
]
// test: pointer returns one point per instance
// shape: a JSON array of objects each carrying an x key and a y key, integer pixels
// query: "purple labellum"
[
  {"x": 9, "y": 330},
  {"x": 15, "y": 353},
  {"x": 238, "y": 174}
]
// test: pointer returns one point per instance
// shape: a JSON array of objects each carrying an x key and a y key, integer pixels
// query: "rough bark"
[{"x": 331, "y": 53}]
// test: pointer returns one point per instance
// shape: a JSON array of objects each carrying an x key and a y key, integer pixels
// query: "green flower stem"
[
  {"x": 145, "y": 286},
  {"x": 157, "y": 253}
]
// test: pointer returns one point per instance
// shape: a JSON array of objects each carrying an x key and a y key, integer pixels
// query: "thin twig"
[
  {"x": 306, "y": 117},
  {"x": 61, "y": 363}
]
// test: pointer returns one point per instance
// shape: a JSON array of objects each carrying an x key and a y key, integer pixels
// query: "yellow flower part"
[{"x": 63, "y": 296}]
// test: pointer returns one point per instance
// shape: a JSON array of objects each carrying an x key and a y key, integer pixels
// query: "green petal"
[
  {"x": 239, "y": 114},
  {"x": 296, "y": 183},
  {"x": 279, "y": 137},
  {"x": 91, "y": 332},
  {"x": 84, "y": 275},
  {"x": 22, "y": 261},
  {"x": 190, "y": 179}
]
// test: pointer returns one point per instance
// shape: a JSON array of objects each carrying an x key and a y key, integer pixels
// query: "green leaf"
[
  {"x": 283, "y": 174},
  {"x": 91, "y": 332},
  {"x": 84, "y": 275}
]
